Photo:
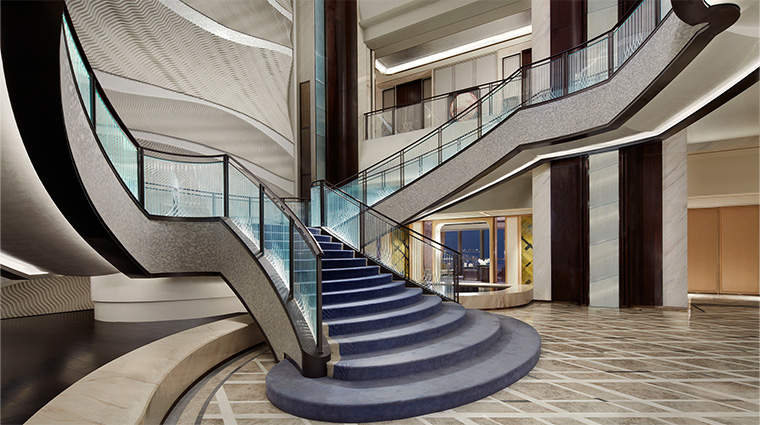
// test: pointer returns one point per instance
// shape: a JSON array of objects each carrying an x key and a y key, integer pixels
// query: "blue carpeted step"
[
  {"x": 478, "y": 332},
  {"x": 428, "y": 306},
  {"x": 341, "y": 263},
  {"x": 323, "y": 238},
  {"x": 355, "y": 282},
  {"x": 343, "y": 310},
  {"x": 330, "y": 245},
  {"x": 315, "y": 230},
  {"x": 361, "y": 294},
  {"x": 348, "y": 272},
  {"x": 511, "y": 357},
  {"x": 338, "y": 253},
  {"x": 448, "y": 318}
]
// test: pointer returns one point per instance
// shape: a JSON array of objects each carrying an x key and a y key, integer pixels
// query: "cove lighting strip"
[
  {"x": 475, "y": 45},
  {"x": 15, "y": 264}
]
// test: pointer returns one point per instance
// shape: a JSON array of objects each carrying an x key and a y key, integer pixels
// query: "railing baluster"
[{"x": 226, "y": 168}]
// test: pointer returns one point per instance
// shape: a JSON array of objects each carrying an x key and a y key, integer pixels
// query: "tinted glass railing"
[
  {"x": 173, "y": 185},
  {"x": 473, "y": 113},
  {"x": 418, "y": 259}
]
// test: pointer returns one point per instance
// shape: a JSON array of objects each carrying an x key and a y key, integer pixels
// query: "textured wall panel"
[
  {"x": 45, "y": 296},
  {"x": 258, "y": 18}
]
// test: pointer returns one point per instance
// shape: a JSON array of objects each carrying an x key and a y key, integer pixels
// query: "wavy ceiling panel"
[
  {"x": 256, "y": 18},
  {"x": 203, "y": 124},
  {"x": 216, "y": 56}
]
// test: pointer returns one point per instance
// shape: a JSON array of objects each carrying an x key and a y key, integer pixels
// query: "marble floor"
[{"x": 598, "y": 366}]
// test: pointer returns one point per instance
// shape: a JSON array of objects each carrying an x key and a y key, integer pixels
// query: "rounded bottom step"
[{"x": 510, "y": 358}]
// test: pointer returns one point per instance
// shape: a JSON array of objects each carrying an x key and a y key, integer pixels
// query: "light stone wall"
[
  {"x": 542, "y": 233},
  {"x": 674, "y": 221}
]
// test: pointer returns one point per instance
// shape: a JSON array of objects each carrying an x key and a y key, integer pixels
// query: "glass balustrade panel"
[
  {"x": 244, "y": 204},
  {"x": 305, "y": 290},
  {"x": 84, "y": 83},
  {"x": 342, "y": 217},
  {"x": 315, "y": 206},
  {"x": 588, "y": 66},
  {"x": 277, "y": 240},
  {"x": 381, "y": 124},
  {"x": 183, "y": 189},
  {"x": 119, "y": 148}
]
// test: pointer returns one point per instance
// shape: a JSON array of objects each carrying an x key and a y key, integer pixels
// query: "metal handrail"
[
  {"x": 525, "y": 99},
  {"x": 363, "y": 208}
]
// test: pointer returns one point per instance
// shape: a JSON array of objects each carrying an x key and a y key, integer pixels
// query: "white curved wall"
[{"x": 118, "y": 298}]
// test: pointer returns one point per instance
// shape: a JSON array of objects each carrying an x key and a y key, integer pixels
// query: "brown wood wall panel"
[
  {"x": 641, "y": 225},
  {"x": 342, "y": 150},
  {"x": 304, "y": 138},
  {"x": 703, "y": 235},
  {"x": 739, "y": 250},
  {"x": 569, "y": 200},
  {"x": 567, "y": 24}
]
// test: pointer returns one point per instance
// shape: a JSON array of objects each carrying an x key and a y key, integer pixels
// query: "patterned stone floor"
[{"x": 597, "y": 366}]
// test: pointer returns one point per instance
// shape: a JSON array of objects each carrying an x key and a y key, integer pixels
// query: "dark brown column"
[
  {"x": 569, "y": 206},
  {"x": 567, "y": 24},
  {"x": 641, "y": 225},
  {"x": 342, "y": 103}
]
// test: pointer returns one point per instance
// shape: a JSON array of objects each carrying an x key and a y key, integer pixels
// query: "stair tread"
[
  {"x": 356, "y": 279},
  {"x": 408, "y": 293},
  {"x": 448, "y": 314},
  {"x": 511, "y": 357},
  {"x": 392, "y": 284},
  {"x": 424, "y": 303},
  {"x": 479, "y": 328}
]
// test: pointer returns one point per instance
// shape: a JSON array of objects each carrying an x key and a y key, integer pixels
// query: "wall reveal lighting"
[{"x": 519, "y": 32}]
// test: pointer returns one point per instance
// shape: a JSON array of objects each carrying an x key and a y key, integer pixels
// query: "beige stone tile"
[
  {"x": 485, "y": 407},
  {"x": 408, "y": 421},
  {"x": 628, "y": 421},
  {"x": 270, "y": 421},
  {"x": 749, "y": 420},
  {"x": 698, "y": 406},
  {"x": 683, "y": 421},
  {"x": 255, "y": 408},
  {"x": 588, "y": 406},
  {"x": 246, "y": 392},
  {"x": 212, "y": 409},
  {"x": 212, "y": 422},
  {"x": 546, "y": 391},
  {"x": 442, "y": 421},
  {"x": 507, "y": 421},
  {"x": 638, "y": 406},
  {"x": 643, "y": 391},
  {"x": 564, "y": 421},
  {"x": 592, "y": 391}
]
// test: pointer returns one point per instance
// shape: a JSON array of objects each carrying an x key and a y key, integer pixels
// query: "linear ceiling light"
[
  {"x": 519, "y": 32},
  {"x": 21, "y": 266}
]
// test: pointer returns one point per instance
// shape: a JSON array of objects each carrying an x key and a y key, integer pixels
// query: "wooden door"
[
  {"x": 739, "y": 250},
  {"x": 704, "y": 273}
]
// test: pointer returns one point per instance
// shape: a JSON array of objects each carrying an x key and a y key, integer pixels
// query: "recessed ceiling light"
[{"x": 519, "y": 32}]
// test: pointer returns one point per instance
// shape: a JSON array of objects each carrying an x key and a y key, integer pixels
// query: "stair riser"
[
  {"x": 343, "y": 263},
  {"x": 367, "y": 282},
  {"x": 331, "y": 245},
  {"x": 337, "y": 253},
  {"x": 329, "y": 312},
  {"x": 334, "y": 274},
  {"x": 401, "y": 369},
  {"x": 361, "y": 347},
  {"x": 349, "y": 328},
  {"x": 323, "y": 238},
  {"x": 338, "y": 298}
]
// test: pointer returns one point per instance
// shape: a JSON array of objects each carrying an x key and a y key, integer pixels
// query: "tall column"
[
  {"x": 604, "y": 230},
  {"x": 342, "y": 153},
  {"x": 514, "y": 251},
  {"x": 542, "y": 233},
  {"x": 674, "y": 224},
  {"x": 540, "y": 17}
]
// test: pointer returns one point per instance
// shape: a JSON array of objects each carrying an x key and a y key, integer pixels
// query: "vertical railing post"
[
  {"x": 261, "y": 218},
  {"x": 226, "y": 168},
  {"x": 401, "y": 170},
  {"x": 319, "y": 305},
  {"x": 140, "y": 176},
  {"x": 440, "y": 146},
  {"x": 291, "y": 256},
  {"x": 480, "y": 115},
  {"x": 610, "y": 54},
  {"x": 565, "y": 74},
  {"x": 322, "y": 203},
  {"x": 657, "y": 12},
  {"x": 93, "y": 101},
  {"x": 364, "y": 188},
  {"x": 362, "y": 235}
]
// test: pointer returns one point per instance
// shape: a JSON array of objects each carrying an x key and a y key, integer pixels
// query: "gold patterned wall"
[{"x": 526, "y": 245}]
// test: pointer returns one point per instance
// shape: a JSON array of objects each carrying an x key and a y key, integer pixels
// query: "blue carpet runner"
[{"x": 397, "y": 353}]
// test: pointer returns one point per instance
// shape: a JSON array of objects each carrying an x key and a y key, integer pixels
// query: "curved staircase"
[{"x": 397, "y": 353}]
